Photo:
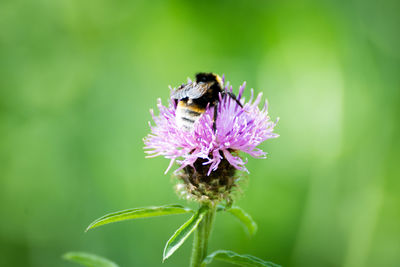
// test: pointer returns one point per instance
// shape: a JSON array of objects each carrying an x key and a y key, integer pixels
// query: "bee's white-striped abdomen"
[{"x": 187, "y": 116}]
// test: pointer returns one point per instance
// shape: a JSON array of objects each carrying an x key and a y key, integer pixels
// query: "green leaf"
[
  {"x": 221, "y": 208},
  {"x": 183, "y": 233},
  {"x": 138, "y": 213},
  {"x": 241, "y": 260},
  {"x": 89, "y": 260},
  {"x": 248, "y": 222}
]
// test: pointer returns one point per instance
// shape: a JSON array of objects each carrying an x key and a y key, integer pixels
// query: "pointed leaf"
[
  {"x": 89, "y": 260},
  {"x": 245, "y": 218},
  {"x": 138, "y": 213},
  {"x": 183, "y": 233},
  {"x": 234, "y": 258}
]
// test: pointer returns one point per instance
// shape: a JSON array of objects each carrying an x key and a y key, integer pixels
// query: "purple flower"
[{"x": 236, "y": 129}]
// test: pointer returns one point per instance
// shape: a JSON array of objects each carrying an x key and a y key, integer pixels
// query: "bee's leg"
[
  {"x": 215, "y": 116},
  {"x": 232, "y": 95}
]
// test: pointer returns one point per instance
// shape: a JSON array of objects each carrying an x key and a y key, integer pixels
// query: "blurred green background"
[{"x": 77, "y": 79}]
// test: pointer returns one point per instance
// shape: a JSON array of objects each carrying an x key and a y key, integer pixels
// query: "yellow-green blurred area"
[{"x": 78, "y": 78}]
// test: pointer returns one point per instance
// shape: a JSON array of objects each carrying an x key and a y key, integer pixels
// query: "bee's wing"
[{"x": 191, "y": 90}]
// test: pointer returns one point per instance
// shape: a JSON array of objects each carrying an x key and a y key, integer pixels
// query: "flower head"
[{"x": 210, "y": 150}]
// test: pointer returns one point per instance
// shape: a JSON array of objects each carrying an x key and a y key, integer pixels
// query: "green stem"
[{"x": 201, "y": 235}]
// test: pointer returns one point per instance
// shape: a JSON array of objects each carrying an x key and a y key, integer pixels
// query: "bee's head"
[{"x": 209, "y": 78}]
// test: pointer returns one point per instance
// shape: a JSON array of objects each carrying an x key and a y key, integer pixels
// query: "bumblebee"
[{"x": 193, "y": 98}]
